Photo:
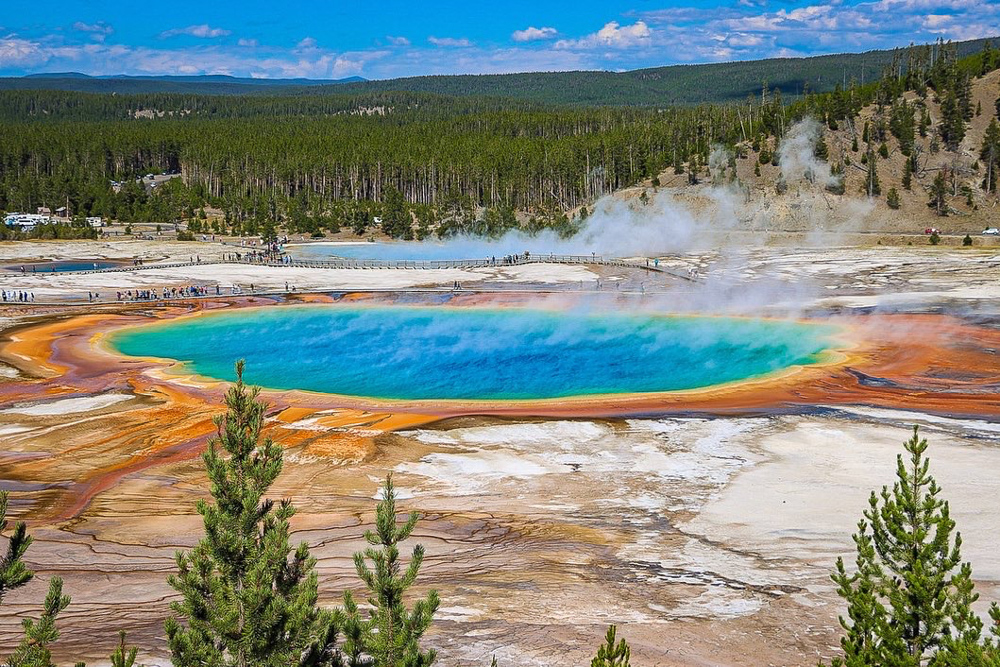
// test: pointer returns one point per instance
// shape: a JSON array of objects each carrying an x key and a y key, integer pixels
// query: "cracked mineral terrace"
[{"x": 707, "y": 528}]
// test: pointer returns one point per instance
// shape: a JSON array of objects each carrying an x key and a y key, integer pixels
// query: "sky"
[{"x": 390, "y": 38}]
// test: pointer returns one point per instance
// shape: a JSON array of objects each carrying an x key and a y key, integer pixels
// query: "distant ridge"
[
  {"x": 58, "y": 75},
  {"x": 200, "y": 78},
  {"x": 206, "y": 84},
  {"x": 656, "y": 86}
]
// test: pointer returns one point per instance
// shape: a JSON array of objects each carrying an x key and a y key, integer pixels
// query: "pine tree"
[
  {"x": 245, "y": 601},
  {"x": 391, "y": 634},
  {"x": 124, "y": 656},
  {"x": 610, "y": 654},
  {"x": 989, "y": 153},
  {"x": 952, "y": 129},
  {"x": 870, "y": 638},
  {"x": 892, "y": 198},
  {"x": 901, "y": 125},
  {"x": 925, "y": 122},
  {"x": 821, "y": 150},
  {"x": 909, "y": 601},
  {"x": 939, "y": 193},
  {"x": 33, "y": 650},
  {"x": 13, "y": 572},
  {"x": 964, "y": 94},
  {"x": 872, "y": 185},
  {"x": 907, "y": 180}
]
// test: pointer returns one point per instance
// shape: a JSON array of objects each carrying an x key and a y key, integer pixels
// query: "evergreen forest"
[{"x": 420, "y": 163}]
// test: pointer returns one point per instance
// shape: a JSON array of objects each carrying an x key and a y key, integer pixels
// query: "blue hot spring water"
[
  {"x": 380, "y": 251},
  {"x": 426, "y": 352},
  {"x": 65, "y": 265}
]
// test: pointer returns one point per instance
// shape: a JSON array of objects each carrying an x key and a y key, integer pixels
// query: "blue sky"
[{"x": 390, "y": 38}]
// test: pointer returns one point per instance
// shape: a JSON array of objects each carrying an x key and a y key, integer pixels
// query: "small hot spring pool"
[
  {"x": 380, "y": 251},
  {"x": 64, "y": 265},
  {"x": 425, "y": 352},
  {"x": 396, "y": 252}
]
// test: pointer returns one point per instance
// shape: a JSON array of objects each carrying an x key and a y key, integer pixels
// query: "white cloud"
[
  {"x": 16, "y": 52},
  {"x": 740, "y": 39},
  {"x": 864, "y": 24},
  {"x": 97, "y": 58},
  {"x": 612, "y": 35},
  {"x": 931, "y": 5},
  {"x": 687, "y": 15},
  {"x": 932, "y": 21},
  {"x": 477, "y": 60},
  {"x": 204, "y": 31},
  {"x": 460, "y": 42},
  {"x": 98, "y": 31},
  {"x": 692, "y": 32},
  {"x": 531, "y": 33},
  {"x": 970, "y": 31},
  {"x": 346, "y": 66}
]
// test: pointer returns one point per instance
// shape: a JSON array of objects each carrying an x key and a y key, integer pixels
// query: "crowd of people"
[
  {"x": 256, "y": 257},
  {"x": 18, "y": 296},
  {"x": 512, "y": 259},
  {"x": 164, "y": 293}
]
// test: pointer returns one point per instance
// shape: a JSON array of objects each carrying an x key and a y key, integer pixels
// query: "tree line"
[
  {"x": 655, "y": 87},
  {"x": 254, "y": 167},
  {"x": 420, "y": 162}
]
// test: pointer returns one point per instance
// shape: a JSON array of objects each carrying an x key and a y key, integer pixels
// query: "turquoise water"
[
  {"x": 470, "y": 353},
  {"x": 452, "y": 249},
  {"x": 382, "y": 251},
  {"x": 67, "y": 265}
]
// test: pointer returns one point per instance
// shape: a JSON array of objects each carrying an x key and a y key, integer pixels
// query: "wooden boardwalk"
[{"x": 385, "y": 264}]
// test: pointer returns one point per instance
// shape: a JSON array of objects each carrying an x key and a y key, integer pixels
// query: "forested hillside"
[
  {"x": 345, "y": 169},
  {"x": 427, "y": 163},
  {"x": 655, "y": 87},
  {"x": 673, "y": 85}
]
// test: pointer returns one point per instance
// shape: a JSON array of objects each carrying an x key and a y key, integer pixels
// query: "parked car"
[
  {"x": 932, "y": 230},
  {"x": 992, "y": 231}
]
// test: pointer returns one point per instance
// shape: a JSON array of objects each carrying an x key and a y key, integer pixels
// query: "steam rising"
[
  {"x": 727, "y": 217},
  {"x": 669, "y": 221},
  {"x": 797, "y": 157}
]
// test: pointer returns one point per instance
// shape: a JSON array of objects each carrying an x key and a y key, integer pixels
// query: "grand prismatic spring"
[
  {"x": 423, "y": 353},
  {"x": 573, "y": 452}
]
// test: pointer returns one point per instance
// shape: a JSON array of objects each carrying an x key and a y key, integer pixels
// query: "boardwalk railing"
[{"x": 511, "y": 260}]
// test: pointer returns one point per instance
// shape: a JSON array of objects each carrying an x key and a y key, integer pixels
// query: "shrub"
[{"x": 892, "y": 199}]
